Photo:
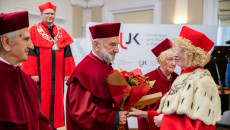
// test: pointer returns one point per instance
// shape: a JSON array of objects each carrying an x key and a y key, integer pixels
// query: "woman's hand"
[
  {"x": 138, "y": 113},
  {"x": 158, "y": 119}
]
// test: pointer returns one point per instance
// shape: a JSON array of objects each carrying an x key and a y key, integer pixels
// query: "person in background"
[
  {"x": 89, "y": 105},
  {"x": 227, "y": 74},
  {"x": 20, "y": 108},
  {"x": 193, "y": 101},
  {"x": 164, "y": 76},
  {"x": 50, "y": 63}
]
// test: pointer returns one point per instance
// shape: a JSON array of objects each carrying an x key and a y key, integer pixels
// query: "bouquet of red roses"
[{"x": 127, "y": 88}]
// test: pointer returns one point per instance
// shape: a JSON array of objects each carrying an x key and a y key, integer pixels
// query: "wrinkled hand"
[
  {"x": 35, "y": 78},
  {"x": 158, "y": 119},
  {"x": 138, "y": 113},
  {"x": 66, "y": 78},
  {"x": 122, "y": 117}
]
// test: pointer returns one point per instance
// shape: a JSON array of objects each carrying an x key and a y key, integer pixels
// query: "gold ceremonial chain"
[{"x": 47, "y": 37}]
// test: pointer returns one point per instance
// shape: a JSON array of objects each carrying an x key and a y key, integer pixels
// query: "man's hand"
[
  {"x": 35, "y": 78},
  {"x": 158, "y": 119},
  {"x": 66, "y": 78},
  {"x": 122, "y": 117}
]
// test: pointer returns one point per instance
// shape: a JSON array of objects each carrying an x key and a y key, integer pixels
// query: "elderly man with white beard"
[{"x": 89, "y": 105}]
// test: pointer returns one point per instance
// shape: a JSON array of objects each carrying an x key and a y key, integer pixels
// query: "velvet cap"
[
  {"x": 163, "y": 46},
  {"x": 47, "y": 6},
  {"x": 13, "y": 21},
  {"x": 105, "y": 30},
  {"x": 197, "y": 39}
]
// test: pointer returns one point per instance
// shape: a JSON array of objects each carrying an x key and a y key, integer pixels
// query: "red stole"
[
  {"x": 51, "y": 67},
  {"x": 40, "y": 41},
  {"x": 189, "y": 70},
  {"x": 92, "y": 72}
]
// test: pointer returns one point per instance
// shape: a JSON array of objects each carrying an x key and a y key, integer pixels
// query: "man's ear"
[
  {"x": 5, "y": 43},
  {"x": 96, "y": 46}
]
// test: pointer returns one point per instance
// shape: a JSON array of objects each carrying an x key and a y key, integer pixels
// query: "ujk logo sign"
[
  {"x": 142, "y": 63},
  {"x": 132, "y": 37}
]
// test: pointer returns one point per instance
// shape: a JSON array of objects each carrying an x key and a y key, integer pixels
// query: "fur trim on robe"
[{"x": 194, "y": 94}]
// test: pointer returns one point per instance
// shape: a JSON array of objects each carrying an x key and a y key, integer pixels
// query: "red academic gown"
[
  {"x": 51, "y": 67},
  {"x": 88, "y": 100},
  {"x": 178, "y": 122},
  {"x": 20, "y": 108},
  {"x": 163, "y": 85}
]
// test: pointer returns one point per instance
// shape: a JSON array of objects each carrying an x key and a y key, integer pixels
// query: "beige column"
[
  {"x": 195, "y": 12},
  {"x": 168, "y": 11},
  {"x": 77, "y": 21},
  {"x": 96, "y": 14}
]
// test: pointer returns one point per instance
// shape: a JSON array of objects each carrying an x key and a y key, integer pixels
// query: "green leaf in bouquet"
[{"x": 150, "y": 84}]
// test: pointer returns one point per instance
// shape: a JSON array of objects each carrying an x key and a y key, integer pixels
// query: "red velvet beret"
[
  {"x": 13, "y": 21},
  {"x": 105, "y": 30},
  {"x": 163, "y": 46},
  {"x": 46, "y": 6},
  {"x": 198, "y": 39}
]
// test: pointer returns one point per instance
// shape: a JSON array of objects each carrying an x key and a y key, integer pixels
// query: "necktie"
[{"x": 51, "y": 32}]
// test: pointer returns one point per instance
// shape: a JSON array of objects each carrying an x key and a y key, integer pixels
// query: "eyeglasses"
[{"x": 49, "y": 13}]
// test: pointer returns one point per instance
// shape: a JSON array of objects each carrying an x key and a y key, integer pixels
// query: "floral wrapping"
[{"x": 127, "y": 88}]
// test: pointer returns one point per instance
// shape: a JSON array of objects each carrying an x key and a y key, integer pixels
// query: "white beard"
[{"x": 106, "y": 56}]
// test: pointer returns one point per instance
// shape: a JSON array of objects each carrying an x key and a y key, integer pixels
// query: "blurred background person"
[
  {"x": 227, "y": 75},
  {"x": 20, "y": 108},
  {"x": 164, "y": 76},
  {"x": 50, "y": 63}
]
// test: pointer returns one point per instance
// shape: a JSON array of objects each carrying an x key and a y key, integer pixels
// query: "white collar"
[
  {"x": 1, "y": 59},
  {"x": 96, "y": 55},
  {"x": 50, "y": 25}
]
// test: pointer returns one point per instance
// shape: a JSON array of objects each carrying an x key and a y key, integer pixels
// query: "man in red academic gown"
[
  {"x": 20, "y": 108},
  {"x": 89, "y": 105},
  {"x": 50, "y": 63}
]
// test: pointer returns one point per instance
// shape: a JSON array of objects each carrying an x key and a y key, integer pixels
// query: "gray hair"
[
  {"x": 163, "y": 55},
  {"x": 11, "y": 35},
  {"x": 99, "y": 40}
]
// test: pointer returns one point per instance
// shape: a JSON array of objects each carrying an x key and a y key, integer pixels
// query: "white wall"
[
  {"x": 63, "y": 11},
  {"x": 117, "y": 3},
  {"x": 119, "y": 6}
]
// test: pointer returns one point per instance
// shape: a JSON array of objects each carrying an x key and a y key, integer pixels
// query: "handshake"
[{"x": 133, "y": 112}]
